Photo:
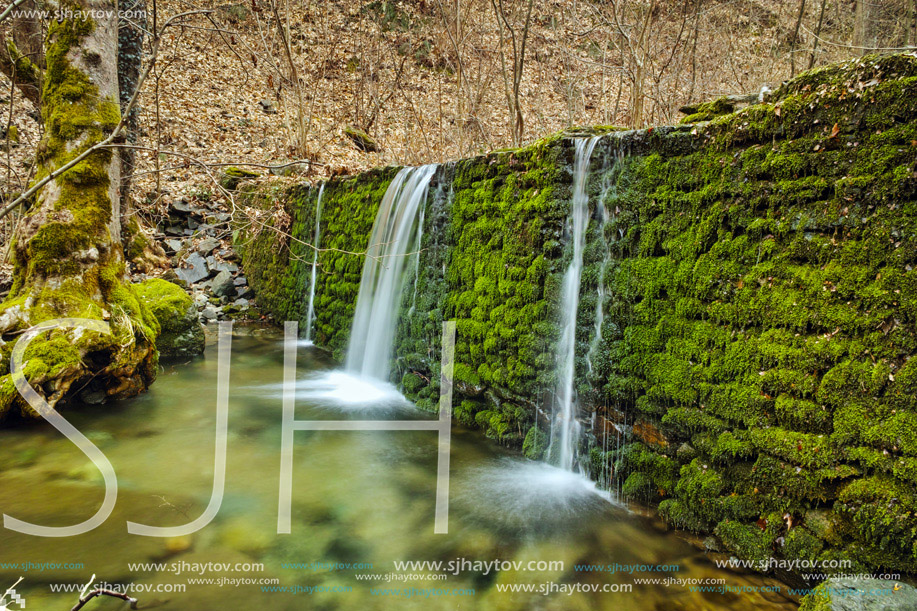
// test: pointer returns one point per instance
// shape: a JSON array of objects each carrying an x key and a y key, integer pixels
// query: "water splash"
[
  {"x": 565, "y": 429},
  {"x": 310, "y": 312},
  {"x": 395, "y": 234},
  {"x": 525, "y": 496}
]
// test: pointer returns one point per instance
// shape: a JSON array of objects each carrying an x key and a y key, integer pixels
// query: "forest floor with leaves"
[{"x": 257, "y": 84}]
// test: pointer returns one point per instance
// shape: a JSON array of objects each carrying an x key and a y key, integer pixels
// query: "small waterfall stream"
[
  {"x": 609, "y": 179},
  {"x": 396, "y": 233},
  {"x": 565, "y": 429},
  {"x": 310, "y": 312}
]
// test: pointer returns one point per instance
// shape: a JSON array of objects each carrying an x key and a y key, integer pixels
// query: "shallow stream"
[{"x": 359, "y": 498}]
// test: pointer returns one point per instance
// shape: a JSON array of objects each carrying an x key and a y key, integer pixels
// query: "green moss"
[
  {"x": 411, "y": 383},
  {"x": 361, "y": 139},
  {"x": 277, "y": 267},
  {"x": 535, "y": 443},
  {"x": 802, "y": 545},
  {"x": 748, "y": 542},
  {"x": 707, "y": 110},
  {"x": 881, "y": 513},
  {"x": 233, "y": 176}
]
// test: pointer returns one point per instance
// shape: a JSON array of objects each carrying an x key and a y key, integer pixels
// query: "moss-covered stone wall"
[
  {"x": 276, "y": 247},
  {"x": 764, "y": 322},
  {"x": 753, "y": 373}
]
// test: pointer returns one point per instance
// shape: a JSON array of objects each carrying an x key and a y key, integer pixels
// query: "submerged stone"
[{"x": 851, "y": 594}]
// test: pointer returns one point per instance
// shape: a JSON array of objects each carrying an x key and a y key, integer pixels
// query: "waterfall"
[
  {"x": 565, "y": 430},
  {"x": 609, "y": 175},
  {"x": 396, "y": 233},
  {"x": 310, "y": 312}
]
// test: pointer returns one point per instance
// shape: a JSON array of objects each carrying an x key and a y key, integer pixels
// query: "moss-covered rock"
[
  {"x": 181, "y": 334},
  {"x": 233, "y": 176},
  {"x": 755, "y": 272},
  {"x": 361, "y": 139}
]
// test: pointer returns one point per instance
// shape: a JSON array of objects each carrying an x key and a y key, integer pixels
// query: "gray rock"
[
  {"x": 176, "y": 230},
  {"x": 685, "y": 452},
  {"x": 240, "y": 281},
  {"x": 223, "y": 266},
  {"x": 200, "y": 300},
  {"x": 93, "y": 397},
  {"x": 209, "y": 313},
  {"x": 241, "y": 303},
  {"x": 193, "y": 269},
  {"x": 207, "y": 245},
  {"x": 222, "y": 285},
  {"x": 174, "y": 245},
  {"x": 181, "y": 206},
  {"x": 848, "y": 594},
  {"x": 245, "y": 291}
]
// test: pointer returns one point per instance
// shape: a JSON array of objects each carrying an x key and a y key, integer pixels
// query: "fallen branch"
[
  {"x": 102, "y": 592},
  {"x": 85, "y": 596}
]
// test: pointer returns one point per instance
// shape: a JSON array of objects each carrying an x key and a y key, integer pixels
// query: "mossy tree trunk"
[{"x": 69, "y": 260}]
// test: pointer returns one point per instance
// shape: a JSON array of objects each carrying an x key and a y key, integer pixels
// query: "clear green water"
[{"x": 365, "y": 497}]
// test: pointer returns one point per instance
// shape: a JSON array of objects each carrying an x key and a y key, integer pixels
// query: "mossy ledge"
[{"x": 760, "y": 308}]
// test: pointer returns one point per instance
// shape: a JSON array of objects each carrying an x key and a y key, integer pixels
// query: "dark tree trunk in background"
[
  {"x": 130, "y": 56},
  {"x": 864, "y": 29}
]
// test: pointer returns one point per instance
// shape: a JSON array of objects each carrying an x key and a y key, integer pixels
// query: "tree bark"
[
  {"x": 17, "y": 67},
  {"x": 68, "y": 259},
  {"x": 864, "y": 30},
  {"x": 802, "y": 11},
  {"x": 130, "y": 54}
]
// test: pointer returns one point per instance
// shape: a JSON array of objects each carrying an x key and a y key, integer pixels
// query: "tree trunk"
[
  {"x": 864, "y": 29},
  {"x": 130, "y": 54},
  {"x": 68, "y": 256}
]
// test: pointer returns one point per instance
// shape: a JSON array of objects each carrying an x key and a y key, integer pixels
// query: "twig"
[
  {"x": 10, "y": 9},
  {"x": 86, "y": 596},
  {"x": 10, "y": 589},
  {"x": 102, "y": 592}
]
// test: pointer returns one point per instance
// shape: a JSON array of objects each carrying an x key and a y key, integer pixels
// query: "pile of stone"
[{"x": 196, "y": 235}]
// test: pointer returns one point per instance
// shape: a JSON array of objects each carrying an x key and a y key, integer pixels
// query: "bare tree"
[
  {"x": 864, "y": 29},
  {"x": 795, "y": 39},
  {"x": 512, "y": 78}
]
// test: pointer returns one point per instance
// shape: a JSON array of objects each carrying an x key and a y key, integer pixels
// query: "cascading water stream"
[
  {"x": 310, "y": 312},
  {"x": 565, "y": 430},
  {"x": 395, "y": 234}
]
